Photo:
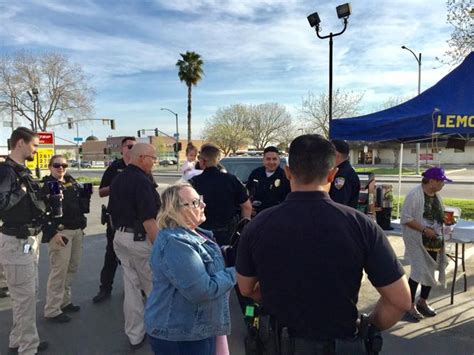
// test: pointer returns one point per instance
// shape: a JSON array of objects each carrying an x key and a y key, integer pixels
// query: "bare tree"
[
  {"x": 229, "y": 128},
  {"x": 47, "y": 83},
  {"x": 287, "y": 136},
  {"x": 460, "y": 16},
  {"x": 267, "y": 124},
  {"x": 314, "y": 112}
]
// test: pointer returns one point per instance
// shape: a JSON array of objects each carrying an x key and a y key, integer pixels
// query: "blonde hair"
[{"x": 169, "y": 215}]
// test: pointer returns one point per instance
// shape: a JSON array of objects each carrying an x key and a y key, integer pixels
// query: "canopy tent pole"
[{"x": 400, "y": 180}]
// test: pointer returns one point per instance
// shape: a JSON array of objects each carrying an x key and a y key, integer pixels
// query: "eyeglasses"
[
  {"x": 195, "y": 203},
  {"x": 57, "y": 166},
  {"x": 150, "y": 156}
]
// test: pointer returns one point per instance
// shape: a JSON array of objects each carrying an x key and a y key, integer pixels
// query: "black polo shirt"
[
  {"x": 111, "y": 172},
  {"x": 346, "y": 185},
  {"x": 133, "y": 198},
  {"x": 308, "y": 254},
  {"x": 271, "y": 190},
  {"x": 223, "y": 194}
]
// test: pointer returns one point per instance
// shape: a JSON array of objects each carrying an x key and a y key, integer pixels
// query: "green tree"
[
  {"x": 190, "y": 72},
  {"x": 229, "y": 128}
]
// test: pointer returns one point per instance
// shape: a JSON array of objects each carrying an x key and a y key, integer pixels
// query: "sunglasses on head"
[{"x": 58, "y": 165}]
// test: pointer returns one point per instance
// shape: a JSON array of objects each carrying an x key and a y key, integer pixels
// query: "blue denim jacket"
[{"x": 190, "y": 296}]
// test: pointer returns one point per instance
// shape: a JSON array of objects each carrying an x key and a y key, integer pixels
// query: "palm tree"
[{"x": 190, "y": 71}]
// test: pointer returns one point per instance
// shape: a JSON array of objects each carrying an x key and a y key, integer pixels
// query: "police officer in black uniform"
[
  {"x": 346, "y": 185},
  {"x": 134, "y": 205},
  {"x": 224, "y": 195},
  {"x": 110, "y": 259},
  {"x": 268, "y": 185},
  {"x": 22, "y": 210},
  {"x": 304, "y": 260}
]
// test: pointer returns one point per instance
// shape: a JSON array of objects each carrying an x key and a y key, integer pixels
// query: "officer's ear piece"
[{"x": 332, "y": 174}]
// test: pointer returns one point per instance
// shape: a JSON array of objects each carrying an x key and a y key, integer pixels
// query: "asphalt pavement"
[{"x": 98, "y": 329}]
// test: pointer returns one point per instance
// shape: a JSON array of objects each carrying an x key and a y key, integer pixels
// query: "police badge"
[
  {"x": 277, "y": 182},
  {"x": 339, "y": 182}
]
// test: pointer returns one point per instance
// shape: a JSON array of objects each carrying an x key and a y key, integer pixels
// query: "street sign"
[
  {"x": 44, "y": 153},
  {"x": 46, "y": 138},
  {"x": 7, "y": 124},
  {"x": 78, "y": 139},
  {"x": 426, "y": 156},
  {"x": 42, "y": 157}
]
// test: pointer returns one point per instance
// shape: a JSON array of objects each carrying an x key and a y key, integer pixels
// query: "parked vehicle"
[{"x": 243, "y": 166}]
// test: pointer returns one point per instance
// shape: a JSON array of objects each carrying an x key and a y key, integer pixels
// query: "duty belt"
[
  {"x": 126, "y": 229},
  {"x": 21, "y": 232}
]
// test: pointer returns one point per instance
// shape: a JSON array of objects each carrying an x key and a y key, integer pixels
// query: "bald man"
[{"x": 133, "y": 205}]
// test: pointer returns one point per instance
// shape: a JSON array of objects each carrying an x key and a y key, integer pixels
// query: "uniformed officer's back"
[
  {"x": 308, "y": 254},
  {"x": 223, "y": 194}
]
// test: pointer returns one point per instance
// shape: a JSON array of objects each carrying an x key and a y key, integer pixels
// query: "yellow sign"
[
  {"x": 42, "y": 156},
  {"x": 455, "y": 121}
]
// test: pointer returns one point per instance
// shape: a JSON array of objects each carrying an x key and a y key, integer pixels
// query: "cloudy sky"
[{"x": 255, "y": 51}]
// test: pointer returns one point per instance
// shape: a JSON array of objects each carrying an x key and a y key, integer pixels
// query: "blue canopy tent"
[{"x": 446, "y": 108}]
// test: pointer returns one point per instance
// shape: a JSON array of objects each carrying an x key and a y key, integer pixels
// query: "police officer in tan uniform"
[
  {"x": 21, "y": 210},
  {"x": 64, "y": 236}
]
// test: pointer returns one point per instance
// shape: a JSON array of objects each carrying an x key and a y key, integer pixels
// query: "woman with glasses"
[
  {"x": 63, "y": 231},
  {"x": 188, "y": 308}
]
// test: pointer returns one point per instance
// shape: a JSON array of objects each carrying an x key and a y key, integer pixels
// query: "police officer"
[
  {"x": 304, "y": 260},
  {"x": 134, "y": 204},
  {"x": 64, "y": 235},
  {"x": 110, "y": 259},
  {"x": 346, "y": 185},
  {"x": 268, "y": 185},
  {"x": 223, "y": 194},
  {"x": 21, "y": 210}
]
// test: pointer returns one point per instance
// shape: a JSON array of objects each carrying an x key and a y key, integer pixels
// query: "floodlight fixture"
[
  {"x": 314, "y": 19},
  {"x": 344, "y": 10}
]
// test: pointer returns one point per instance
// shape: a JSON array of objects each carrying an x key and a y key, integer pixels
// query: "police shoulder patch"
[{"x": 339, "y": 182}]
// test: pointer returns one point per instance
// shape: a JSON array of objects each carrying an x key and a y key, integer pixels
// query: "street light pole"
[
  {"x": 343, "y": 11},
  {"x": 33, "y": 94},
  {"x": 418, "y": 60},
  {"x": 177, "y": 134}
]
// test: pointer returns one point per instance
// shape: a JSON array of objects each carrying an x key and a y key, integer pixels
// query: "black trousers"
[
  {"x": 110, "y": 262},
  {"x": 425, "y": 290}
]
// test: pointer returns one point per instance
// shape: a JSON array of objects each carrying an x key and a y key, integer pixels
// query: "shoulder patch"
[{"x": 339, "y": 182}]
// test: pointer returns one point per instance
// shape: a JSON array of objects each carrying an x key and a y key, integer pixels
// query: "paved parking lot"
[{"x": 98, "y": 329}]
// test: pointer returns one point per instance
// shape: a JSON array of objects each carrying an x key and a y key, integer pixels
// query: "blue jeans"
[{"x": 198, "y": 347}]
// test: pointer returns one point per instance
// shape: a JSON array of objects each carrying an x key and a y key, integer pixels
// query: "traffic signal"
[
  {"x": 139, "y": 134},
  {"x": 112, "y": 124},
  {"x": 80, "y": 150},
  {"x": 177, "y": 147},
  {"x": 70, "y": 122},
  {"x": 156, "y": 132}
]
